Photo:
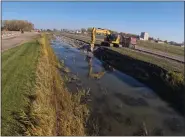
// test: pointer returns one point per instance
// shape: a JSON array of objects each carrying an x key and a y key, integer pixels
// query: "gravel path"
[
  {"x": 14, "y": 40},
  {"x": 160, "y": 53}
]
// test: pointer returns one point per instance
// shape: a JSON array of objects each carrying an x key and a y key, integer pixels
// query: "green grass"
[
  {"x": 168, "y": 65},
  {"x": 162, "y": 47},
  {"x": 18, "y": 77}
]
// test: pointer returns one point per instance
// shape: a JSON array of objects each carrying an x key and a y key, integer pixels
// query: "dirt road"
[
  {"x": 10, "y": 42},
  {"x": 162, "y": 54}
]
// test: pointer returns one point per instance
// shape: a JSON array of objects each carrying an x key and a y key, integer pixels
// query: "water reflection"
[
  {"x": 120, "y": 104},
  {"x": 91, "y": 74}
]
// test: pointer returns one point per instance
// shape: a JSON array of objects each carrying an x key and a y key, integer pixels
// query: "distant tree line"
[
  {"x": 17, "y": 25},
  {"x": 83, "y": 30}
]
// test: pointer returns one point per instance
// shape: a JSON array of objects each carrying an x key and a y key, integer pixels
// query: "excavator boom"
[
  {"x": 97, "y": 31},
  {"x": 111, "y": 39}
]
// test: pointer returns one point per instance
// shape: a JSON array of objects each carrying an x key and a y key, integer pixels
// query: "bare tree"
[
  {"x": 17, "y": 25},
  {"x": 83, "y": 30},
  {"x": 89, "y": 29}
]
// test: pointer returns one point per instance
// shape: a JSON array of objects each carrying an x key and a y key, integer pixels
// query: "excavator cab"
[
  {"x": 111, "y": 37},
  {"x": 111, "y": 40}
]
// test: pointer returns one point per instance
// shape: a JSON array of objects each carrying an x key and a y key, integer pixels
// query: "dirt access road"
[{"x": 10, "y": 42}]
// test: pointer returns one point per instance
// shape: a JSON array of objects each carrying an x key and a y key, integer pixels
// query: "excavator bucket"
[{"x": 92, "y": 47}]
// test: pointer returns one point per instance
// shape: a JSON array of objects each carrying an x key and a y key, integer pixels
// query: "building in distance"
[{"x": 144, "y": 36}]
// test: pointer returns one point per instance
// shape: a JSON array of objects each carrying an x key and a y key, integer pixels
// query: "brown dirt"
[{"x": 8, "y": 43}]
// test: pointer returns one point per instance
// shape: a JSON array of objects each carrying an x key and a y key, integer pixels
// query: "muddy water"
[{"x": 120, "y": 105}]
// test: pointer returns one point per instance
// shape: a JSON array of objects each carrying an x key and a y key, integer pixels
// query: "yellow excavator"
[{"x": 112, "y": 39}]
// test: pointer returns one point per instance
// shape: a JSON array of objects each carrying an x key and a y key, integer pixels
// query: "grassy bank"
[
  {"x": 166, "y": 82},
  {"x": 175, "y": 50},
  {"x": 35, "y": 100},
  {"x": 56, "y": 111},
  {"x": 18, "y": 79},
  {"x": 166, "y": 64}
]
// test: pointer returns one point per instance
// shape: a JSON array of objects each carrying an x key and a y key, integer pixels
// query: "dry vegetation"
[{"x": 56, "y": 111}]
